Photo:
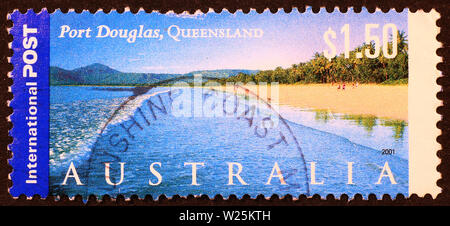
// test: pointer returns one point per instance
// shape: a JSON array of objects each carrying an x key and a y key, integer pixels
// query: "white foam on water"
[
  {"x": 130, "y": 108},
  {"x": 83, "y": 147},
  {"x": 77, "y": 155}
]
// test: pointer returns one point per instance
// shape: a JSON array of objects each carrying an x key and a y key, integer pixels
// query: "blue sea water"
[{"x": 86, "y": 129}]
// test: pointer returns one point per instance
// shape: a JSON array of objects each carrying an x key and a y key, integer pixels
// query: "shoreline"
[
  {"x": 382, "y": 101},
  {"x": 371, "y": 100}
]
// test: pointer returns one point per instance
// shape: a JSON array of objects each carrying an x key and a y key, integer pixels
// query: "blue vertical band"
[{"x": 30, "y": 147}]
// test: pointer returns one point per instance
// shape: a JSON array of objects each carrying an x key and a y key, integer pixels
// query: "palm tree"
[
  {"x": 318, "y": 66},
  {"x": 384, "y": 61},
  {"x": 402, "y": 42},
  {"x": 340, "y": 69}
]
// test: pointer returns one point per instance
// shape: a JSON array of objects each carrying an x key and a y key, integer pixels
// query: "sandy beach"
[{"x": 384, "y": 101}]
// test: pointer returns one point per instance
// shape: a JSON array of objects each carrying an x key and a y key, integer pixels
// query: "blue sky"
[{"x": 288, "y": 39}]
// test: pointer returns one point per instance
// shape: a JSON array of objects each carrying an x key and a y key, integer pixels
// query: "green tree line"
[{"x": 340, "y": 69}]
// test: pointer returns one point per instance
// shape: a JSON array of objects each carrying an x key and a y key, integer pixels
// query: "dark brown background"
[{"x": 442, "y": 6}]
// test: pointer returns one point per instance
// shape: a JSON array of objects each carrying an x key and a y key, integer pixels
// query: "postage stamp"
[{"x": 224, "y": 103}]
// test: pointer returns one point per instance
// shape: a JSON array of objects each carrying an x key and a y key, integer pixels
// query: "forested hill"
[{"x": 99, "y": 74}]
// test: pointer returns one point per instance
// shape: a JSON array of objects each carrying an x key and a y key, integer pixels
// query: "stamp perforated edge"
[{"x": 209, "y": 10}]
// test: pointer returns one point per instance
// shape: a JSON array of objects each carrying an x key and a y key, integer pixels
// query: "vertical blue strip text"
[{"x": 30, "y": 147}]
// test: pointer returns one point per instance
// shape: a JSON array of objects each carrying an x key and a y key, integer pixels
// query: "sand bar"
[{"x": 384, "y": 101}]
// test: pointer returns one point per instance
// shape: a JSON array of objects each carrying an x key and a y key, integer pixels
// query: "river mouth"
[{"x": 78, "y": 113}]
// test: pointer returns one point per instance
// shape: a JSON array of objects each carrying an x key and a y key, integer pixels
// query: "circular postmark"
[{"x": 239, "y": 125}]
